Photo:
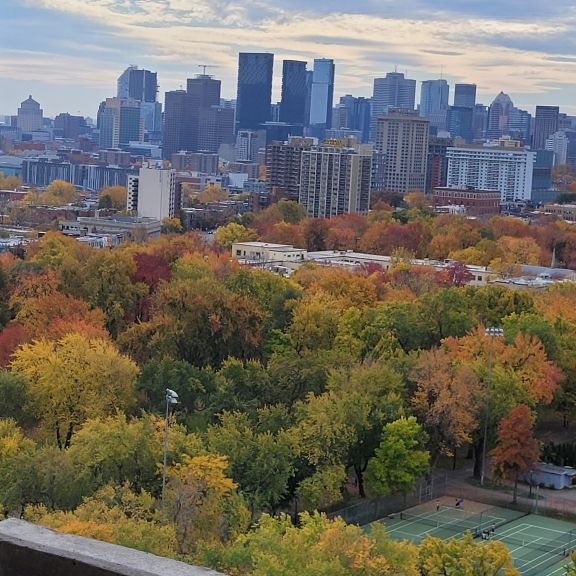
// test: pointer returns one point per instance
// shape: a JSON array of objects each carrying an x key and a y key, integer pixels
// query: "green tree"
[
  {"x": 13, "y": 396},
  {"x": 400, "y": 459}
]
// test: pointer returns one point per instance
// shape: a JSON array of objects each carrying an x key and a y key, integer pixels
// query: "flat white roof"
[{"x": 265, "y": 245}]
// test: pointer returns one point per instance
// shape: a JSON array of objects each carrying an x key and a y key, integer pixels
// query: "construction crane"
[{"x": 204, "y": 66}]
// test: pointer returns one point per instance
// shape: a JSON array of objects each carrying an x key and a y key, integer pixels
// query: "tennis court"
[{"x": 539, "y": 546}]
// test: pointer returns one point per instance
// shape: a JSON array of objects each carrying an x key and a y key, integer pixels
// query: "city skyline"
[{"x": 495, "y": 47}]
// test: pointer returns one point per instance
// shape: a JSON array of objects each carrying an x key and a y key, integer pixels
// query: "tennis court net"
[
  {"x": 460, "y": 521},
  {"x": 562, "y": 545}
]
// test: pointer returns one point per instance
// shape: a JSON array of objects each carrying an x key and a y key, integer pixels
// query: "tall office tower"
[
  {"x": 503, "y": 168},
  {"x": 120, "y": 122},
  {"x": 180, "y": 123},
  {"x": 353, "y": 114},
  {"x": 294, "y": 92},
  {"x": 254, "y": 94},
  {"x": 545, "y": 124},
  {"x": 153, "y": 193},
  {"x": 322, "y": 96},
  {"x": 393, "y": 91},
  {"x": 283, "y": 162},
  {"x": 465, "y": 95},
  {"x": 30, "y": 116},
  {"x": 519, "y": 125},
  {"x": 215, "y": 127},
  {"x": 309, "y": 81},
  {"x": 437, "y": 165},
  {"x": 139, "y": 84},
  {"x": 68, "y": 126},
  {"x": 402, "y": 141},
  {"x": 499, "y": 116},
  {"x": 434, "y": 102},
  {"x": 459, "y": 123},
  {"x": 479, "y": 121},
  {"x": 335, "y": 181},
  {"x": 205, "y": 89},
  {"x": 558, "y": 143}
]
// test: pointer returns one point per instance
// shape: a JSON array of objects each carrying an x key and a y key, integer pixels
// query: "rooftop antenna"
[{"x": 204, "y": 66}]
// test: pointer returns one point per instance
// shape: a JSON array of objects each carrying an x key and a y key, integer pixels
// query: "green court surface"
[{"x": 539, "y": 546}]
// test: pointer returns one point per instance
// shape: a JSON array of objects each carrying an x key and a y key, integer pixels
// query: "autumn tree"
[
  {"x": 437, "y": 557},
  {"x": 172, "y": 226},
  {"x": 516, "y": 450},
  {"x": 114, "y": 197},
  {"x": 204, "y": 503},
  {"x": 73, "y": 379},
  {"x": 400, "y": 459},
  {"x": 316, "y": 546},
  {"x": 212, "y": 193},
  {"x": 231, "y": 233},
  {"x": 60, "y": 192}
]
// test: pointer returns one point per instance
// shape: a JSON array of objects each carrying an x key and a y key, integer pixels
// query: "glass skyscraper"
[
  {"x": 254, "y": 96},
  {"x": 294, "y": 92}
]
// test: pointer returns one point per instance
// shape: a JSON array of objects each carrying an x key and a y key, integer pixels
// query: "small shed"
[{"x": 551, "y": 476}]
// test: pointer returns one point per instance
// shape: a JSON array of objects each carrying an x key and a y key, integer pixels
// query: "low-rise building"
[
  {"x": 266, "y": 253},
  {"x": 475, "y": 202},
  {"x": 127, "y": 227},
  {"x": 563, "y": 211}
]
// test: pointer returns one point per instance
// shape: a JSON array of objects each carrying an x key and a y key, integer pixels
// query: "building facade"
[
  {"x": 283, "y": 165},
  {"x": 294, "y": 92},
  {"x": 392, "y": 91},
  {"x": 30, "y": 116},
  {"x": 545, "y": 124},
  {"x": 142, "y": 85},
  {"x": 474, "y": 202},
  {"x": 465, "y": 95},
  {"x": 335, "y": 181},
  {"x": 558, "y": 144},
  {"x": 506, "y": 169},
  {"x": 120, "y": 122},
  {"x": 434, "y": 102},
  {"x": 499, "y": 116},
  {"x": 402, "y": 141},
  {"x": 152, "y": 193},
  {"x": 254, "y": 95},
  {"x": 322, "y": 96}
]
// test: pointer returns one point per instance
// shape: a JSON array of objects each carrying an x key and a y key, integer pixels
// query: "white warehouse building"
[{"x": 506, "y": 169}]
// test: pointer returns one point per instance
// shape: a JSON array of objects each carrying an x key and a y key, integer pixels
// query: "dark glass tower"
[
  {"x": 254, "y": 95},
  {"x": 465, "y": 95},
  {"x": 294, "y": 92},
  {"x": 205, "y": 89}
]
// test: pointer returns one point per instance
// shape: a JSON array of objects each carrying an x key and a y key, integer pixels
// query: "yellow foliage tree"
[
  {"x": 227, "y": 235},
  {"x": 212, "y": 193},
  {"x": 60, "y": 192},
  {"x": 113, "y": 197},
  {"x": 74, "y": 379},
  {"x": 205, "y": 505}
]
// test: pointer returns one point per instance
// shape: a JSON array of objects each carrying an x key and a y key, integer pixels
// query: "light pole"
[
  {"x": 171, "y": 398},
  {"x": 491, "y": 333}
]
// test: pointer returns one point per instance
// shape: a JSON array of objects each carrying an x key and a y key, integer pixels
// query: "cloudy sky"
[{"x": 68, "y": 53}]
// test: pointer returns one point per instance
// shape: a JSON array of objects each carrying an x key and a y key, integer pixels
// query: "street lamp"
[
  {"x": 491, "y": 333},
  {"x": 171, "y": 398}
]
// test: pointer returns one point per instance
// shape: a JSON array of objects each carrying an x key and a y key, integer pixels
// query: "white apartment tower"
[
  {"x": 335, "y": 180},
  {"x": 506, "y": 169},
  {"x": 152, "y": 194},
  {"x": 558, "y": 143}
]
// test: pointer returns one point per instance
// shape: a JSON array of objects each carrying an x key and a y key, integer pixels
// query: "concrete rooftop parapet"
[{"x": 30, "y": 550}]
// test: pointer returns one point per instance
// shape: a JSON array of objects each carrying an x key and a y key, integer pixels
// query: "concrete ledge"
[{"x": 30, "y": 550}]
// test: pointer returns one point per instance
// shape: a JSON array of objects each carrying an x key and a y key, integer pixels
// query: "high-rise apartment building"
[
  {"x": 204, "y": 162},
  {"x": 545, "y": 124},
  {"x": 139, "y": 84},
  {"x": 392, "y": 91},
  {"x": 322, "y": 96},
  {"x": 335, "y": 180},
  {"x": 504, "y": 168},
  {"x": 254, "y": 94},
  {"x": 294, "y": 92},
  {"x": 434, "y": 102},
  {"x": 152, "y": 194},
  {"x": 283, "y": 164},
  {"x": 465, "y": 95},
  {"x": 30, "y": 116},
  {"x": 402, "y": 142},
  {"x": 499, "y": 116},
  {"x": 120, "y": 122},
  {"x": 437, "y": 165}
]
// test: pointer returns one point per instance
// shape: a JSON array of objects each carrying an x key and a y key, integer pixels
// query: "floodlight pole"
[
  {"x": 171, "y": 398},
  {"x": 491, "y": 333}
]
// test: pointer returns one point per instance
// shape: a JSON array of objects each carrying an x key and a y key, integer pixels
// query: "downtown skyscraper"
[
  {"x": 294, "y": 92},
  {"x": 254, "y": 94},
  {"x": 322, "y": 96},
  {"x": 434, "y": 102},
  {"x": 545, "y": 124}
]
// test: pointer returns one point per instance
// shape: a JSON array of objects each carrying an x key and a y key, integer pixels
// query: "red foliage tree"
[
  {"x": 517, "y": 449},
  {"x": 10, "y": 339}
]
